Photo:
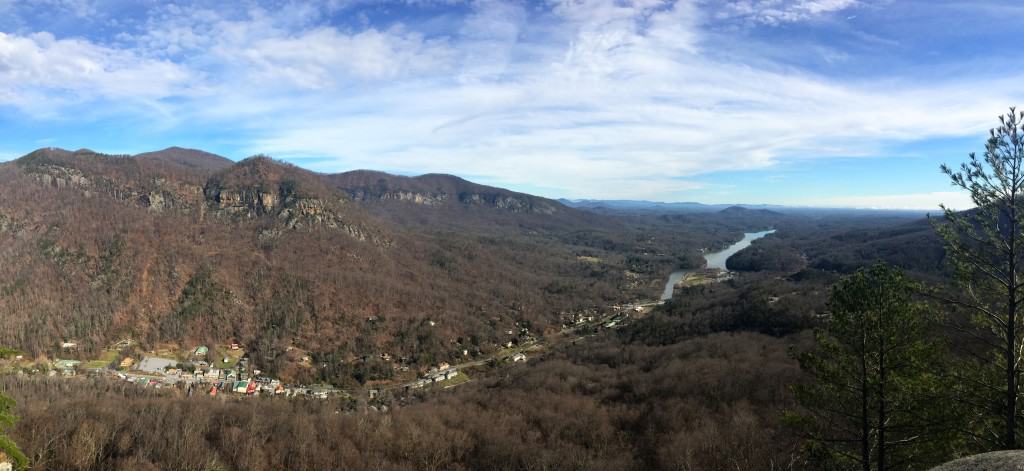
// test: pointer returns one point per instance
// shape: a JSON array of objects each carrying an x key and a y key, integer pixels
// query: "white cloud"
[
  {"x": 76, "y": 8},
  {"x": 616, "y": 113},
  {"x": 323, "y": 57},
  {"x": 592, "y": 98},
  {"x": 924, "y": 201},
  {"x": 775, "y": 12},
  {"x": 41, "y": 73}
]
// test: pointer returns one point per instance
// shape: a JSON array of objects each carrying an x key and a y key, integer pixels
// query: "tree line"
[{"x": 904, "y": 375}]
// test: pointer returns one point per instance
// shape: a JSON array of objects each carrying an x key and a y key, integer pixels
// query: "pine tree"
[
  {"x": 986, "y": 246},
  {"x": 874, "y": 401},
  {"x": 7, "y": 446}
]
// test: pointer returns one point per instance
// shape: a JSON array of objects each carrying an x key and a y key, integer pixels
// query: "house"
[
  {"x": 201, "y": 351},
  {"x": 127, "y": 362},
  {"x": 451, "y": 374},
  {"x": 518, "y": 357},
  {"x": 68, "y": 345},
  {"x": 234, "y": 346},
  {"x": 443, "y": 366},
  {"x": 240, "y": 387},
  {"x": 318, "y": 392}
]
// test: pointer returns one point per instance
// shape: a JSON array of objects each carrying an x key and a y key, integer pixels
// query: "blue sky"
[{"x": 801, "y": 102}]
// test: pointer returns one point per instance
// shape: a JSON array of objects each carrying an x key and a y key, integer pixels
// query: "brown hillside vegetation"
[
  {"x": 174, "y": 246},
  {"x": 700, "y": 404}
]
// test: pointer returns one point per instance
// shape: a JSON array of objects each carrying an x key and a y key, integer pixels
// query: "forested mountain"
[
  {"x": 447, "y": 202},
  {"x": 844, "y": 244},
  {"x": 318, "y": 275},
  {"x": 191, "y": 158},
  {"x": 184, "y": 246}
]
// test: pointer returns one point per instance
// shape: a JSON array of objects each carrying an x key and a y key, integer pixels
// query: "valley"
[{"x": 277, "y": 299}]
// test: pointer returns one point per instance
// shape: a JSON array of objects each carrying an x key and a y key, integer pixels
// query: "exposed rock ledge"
[{"x": 1011, "y": 460}]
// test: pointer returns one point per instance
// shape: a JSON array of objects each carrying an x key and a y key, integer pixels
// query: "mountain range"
[{"x": 184, "y": 247}]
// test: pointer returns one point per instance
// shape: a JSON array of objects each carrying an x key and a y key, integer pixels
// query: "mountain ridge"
[{"x": 179, "y": 247}]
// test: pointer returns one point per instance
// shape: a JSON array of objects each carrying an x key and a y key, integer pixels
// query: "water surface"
[{"x": 713, "y": 260}]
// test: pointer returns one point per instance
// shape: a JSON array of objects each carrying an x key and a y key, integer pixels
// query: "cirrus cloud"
[{"x": 581, "y": 98}]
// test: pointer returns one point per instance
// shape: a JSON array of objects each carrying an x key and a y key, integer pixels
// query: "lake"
[{"x": 713, "y": 260}]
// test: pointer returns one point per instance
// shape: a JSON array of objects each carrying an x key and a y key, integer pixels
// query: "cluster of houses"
[
  {"x": 202, "y": 376},
  {"x": 436, "y": 374},
  {"x": 578, "y": 318}
]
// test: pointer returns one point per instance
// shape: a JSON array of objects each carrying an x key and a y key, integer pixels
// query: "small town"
[{"x": 227, "y": 370}]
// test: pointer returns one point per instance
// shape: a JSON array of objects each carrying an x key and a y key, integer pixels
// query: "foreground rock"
[{"x": 1012, "y": 460}]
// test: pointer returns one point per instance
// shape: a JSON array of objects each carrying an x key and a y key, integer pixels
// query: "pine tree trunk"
[
  {"x": 881, "y": 406},
  {"x": 1011, "y": 374},
  {"x": 865, "y": 435}
]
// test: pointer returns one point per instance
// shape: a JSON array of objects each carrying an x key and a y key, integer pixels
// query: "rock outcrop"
[
  {"x": 437, "y": 190},
  {"x": 1010, "y": 460}
]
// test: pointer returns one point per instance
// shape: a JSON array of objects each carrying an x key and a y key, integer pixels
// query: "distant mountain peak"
[
  {"x": 191, "y": 158},
  {"x": 438, "y": 189},
  {"x": 737, "y": 209}
]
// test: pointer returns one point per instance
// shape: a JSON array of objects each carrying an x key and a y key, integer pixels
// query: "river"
[{"x": 713, "y": 260}]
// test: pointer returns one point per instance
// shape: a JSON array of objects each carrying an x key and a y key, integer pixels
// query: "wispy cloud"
[
  {"x": 774, "y": 12},
  {"x": 590, "y": 98},
  {"x": 41, "y": 74},
  {"x": 924, "y": 201}
]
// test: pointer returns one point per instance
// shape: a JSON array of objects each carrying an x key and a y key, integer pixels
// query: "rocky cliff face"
[
  {"x": 157, "y": 194},
  {"x": 283, "y": 205},
  {"x": 437, "y": 190},
  {"x": 426, "y": 199},
  {"x": 513, "y": 203},
  {"x": 119, "y": 177},
  {"x": 253, "y": 189},
  {"x": 261, "y": 188}
]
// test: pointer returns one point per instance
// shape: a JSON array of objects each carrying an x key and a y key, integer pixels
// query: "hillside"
[
  {"x": 447, "y": 202},
  {"x": 189, "y": 158},
  {"x": 844, "y": 244},
  {"x": 439, "y": 190},
  {"x": 176, "y": 247}
]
